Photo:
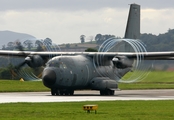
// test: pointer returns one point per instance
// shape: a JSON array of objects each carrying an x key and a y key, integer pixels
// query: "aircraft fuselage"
[{"x": 77, "y": 72}]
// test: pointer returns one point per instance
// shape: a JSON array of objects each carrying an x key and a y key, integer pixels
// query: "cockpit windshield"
[{"x": 57, "y": 64}]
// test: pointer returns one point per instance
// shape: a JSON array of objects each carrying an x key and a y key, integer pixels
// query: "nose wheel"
[
  {"x": 54, "y": 91},
  {"x": 62, "y": 92}
]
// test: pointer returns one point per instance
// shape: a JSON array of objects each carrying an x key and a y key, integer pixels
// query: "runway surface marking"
[{"x": 87, "y": 96}]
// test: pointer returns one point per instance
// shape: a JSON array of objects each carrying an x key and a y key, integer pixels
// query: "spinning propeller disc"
[
  {"x": 139, "y": 69},
  {"x": 21, "y": 69}
]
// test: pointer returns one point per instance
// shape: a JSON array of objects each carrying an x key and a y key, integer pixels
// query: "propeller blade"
[{"x": 20, "y": 65}]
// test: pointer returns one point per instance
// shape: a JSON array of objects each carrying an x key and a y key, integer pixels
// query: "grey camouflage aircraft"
[{"x": 69, "y": 71}]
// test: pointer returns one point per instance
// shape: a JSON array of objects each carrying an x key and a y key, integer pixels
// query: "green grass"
[
  {"x": 160, "y": 76},
  {"x": 108, "y": 110},
  {"x": 156, "y": 76},
  {"x": 155, "y": 80},
  {"x": 18, "y": 86}
]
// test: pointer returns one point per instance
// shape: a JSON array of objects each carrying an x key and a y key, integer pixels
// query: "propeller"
[
  {"x": 20, "y": 65},
  {"x": 121, "y": 64},
  {"x": 34, "y": 61},
  {"x": 20, "y": 48},
  {"x": 31, "y": 60}
]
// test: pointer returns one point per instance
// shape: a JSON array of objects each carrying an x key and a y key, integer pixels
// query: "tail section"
[
  {"x": 133, "y": 23},
  {"x": 132, "y": 30}
]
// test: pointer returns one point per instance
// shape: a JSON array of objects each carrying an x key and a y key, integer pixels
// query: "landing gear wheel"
[
  {"x": 102, "y": 92},
  {"x": 112, "y": 92},
  {"x": 71, "y": 92},
  {"x": 107, "y": 92},
  {"x": 61, "y": 92},
  {"x": 53, "y": 91},
  {"x": 66, "y": 92},
  {"x": 57, "y": 92}
]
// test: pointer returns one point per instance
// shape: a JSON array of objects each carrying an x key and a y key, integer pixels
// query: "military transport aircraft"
[{"x": 69, "y": 71}]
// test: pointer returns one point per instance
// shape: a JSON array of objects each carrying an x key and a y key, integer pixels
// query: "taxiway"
[{"x": 15, "y": 97}]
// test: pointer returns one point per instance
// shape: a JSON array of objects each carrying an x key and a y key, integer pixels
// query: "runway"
[{"x": 15, "y": 97}]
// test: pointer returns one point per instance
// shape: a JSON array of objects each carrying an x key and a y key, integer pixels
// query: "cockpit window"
[
  {"x": 56, "y": 64},
  {"x": 62, "y": 65},
  {"x": 50, "y": 64}
]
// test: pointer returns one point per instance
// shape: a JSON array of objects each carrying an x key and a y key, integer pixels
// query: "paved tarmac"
[{"x": 84, "y": 95}]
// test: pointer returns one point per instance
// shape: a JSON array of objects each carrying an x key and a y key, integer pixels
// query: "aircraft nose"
[{"x": 49, "y": 77}]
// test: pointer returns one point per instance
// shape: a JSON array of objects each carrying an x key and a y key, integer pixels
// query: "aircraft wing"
[
  {"x": 144, "y": 55},
  {"x": 131, "y": 55}
]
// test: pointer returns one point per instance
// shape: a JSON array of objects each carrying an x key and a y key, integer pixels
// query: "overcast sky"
[{"x": 65, "y": 20}]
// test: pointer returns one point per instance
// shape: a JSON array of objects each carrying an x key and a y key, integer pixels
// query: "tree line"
[
  {"x": 30, "y": 45},
  {"x": 161, "y": 42}
]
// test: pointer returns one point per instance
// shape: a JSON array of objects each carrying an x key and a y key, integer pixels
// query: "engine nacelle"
[
  {"x": 122, "y": 62},
  {"x": 34, "y": 61},
  {"x": 102, "y": 83}
]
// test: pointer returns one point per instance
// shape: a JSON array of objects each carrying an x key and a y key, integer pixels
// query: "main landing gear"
[
  {"x": 107, "y": 92},
  {"x": 61, "y": 92},
  {"x": 71, "y": 92}
]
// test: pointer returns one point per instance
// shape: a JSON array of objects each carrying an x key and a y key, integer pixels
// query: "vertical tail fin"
[
  {"x": 132, "y": 29},
  {"x": 133, "y": 23}
]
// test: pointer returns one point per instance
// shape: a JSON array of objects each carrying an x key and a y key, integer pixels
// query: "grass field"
[
  {"x": 18, "y": 86},
  {"x": 112, "y": 110},
  {"x": 154, "y": 80}
]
